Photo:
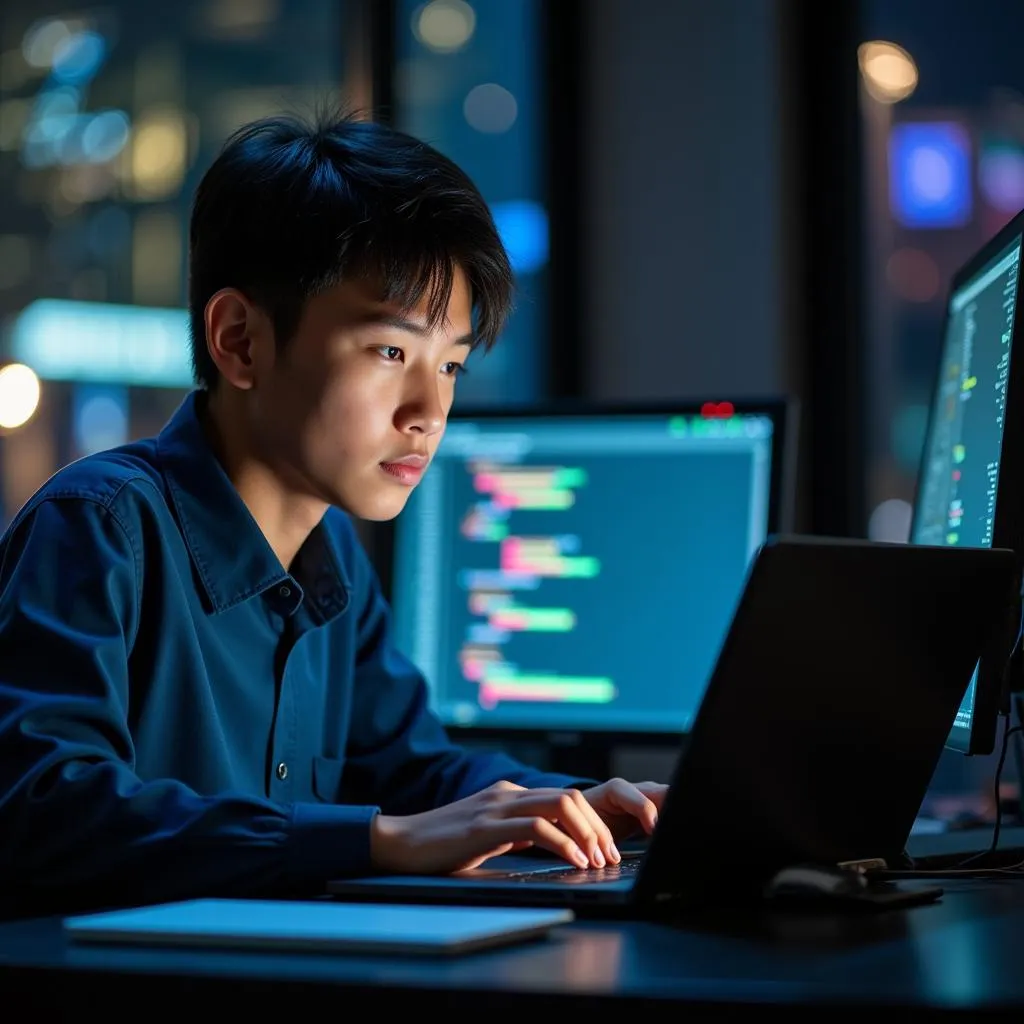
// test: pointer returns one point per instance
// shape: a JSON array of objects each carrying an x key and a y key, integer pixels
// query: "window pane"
[
  {"x": 467, "y": 81},
  {"x": 109, "y": 115},
  {"x": 943, "y": 111},
  {"x": 943, "y": 116}
]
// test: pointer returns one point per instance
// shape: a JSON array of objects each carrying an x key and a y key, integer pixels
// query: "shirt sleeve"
[
  {"x": 79, "y": 826},
  {"x": 399, "y": 754}
]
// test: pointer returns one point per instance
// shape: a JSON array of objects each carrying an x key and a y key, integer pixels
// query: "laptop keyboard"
[{"x": 577, "y": 876}]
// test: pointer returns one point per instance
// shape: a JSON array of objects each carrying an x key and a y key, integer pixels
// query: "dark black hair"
[{"x": 291, "y": 207}]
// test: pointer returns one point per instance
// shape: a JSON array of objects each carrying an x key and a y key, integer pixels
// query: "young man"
[{"x": 198, "y": 690}]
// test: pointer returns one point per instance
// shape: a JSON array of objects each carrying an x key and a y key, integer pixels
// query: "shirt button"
[
  {"x": 282, "y": 771},
  {"x": 285, "y": 591}
]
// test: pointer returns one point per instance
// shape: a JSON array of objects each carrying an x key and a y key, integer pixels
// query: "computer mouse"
[{"x": 817, "y": 881}]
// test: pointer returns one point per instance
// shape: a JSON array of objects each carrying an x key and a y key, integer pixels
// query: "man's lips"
[
  {"x": 416, "y": 461},
  {"x": 406, "y": 469}
]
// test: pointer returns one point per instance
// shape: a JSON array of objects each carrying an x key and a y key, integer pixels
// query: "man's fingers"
[
  {"x": 504, "y": 786},
  {"x": 541, "y": 832},
  {"x": 571, "y": 812},
  {"x": 575, "y": 816},
  {"x": 605, "y": 840},
  {"x": 629, "y": 799}
]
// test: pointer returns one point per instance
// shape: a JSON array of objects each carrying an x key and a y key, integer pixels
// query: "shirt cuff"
[{"x": 328, "y": 841}]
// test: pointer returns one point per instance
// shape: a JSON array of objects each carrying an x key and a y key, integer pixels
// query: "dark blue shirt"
[{"x": 179, "y": 715}]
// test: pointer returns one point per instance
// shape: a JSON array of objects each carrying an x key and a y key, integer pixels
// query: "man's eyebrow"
[{"x": 403, "y": 323}]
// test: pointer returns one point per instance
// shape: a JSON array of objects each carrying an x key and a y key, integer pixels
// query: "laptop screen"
[
  {"x": 549, "y": 567},
  {"x": 956, "y": 493}
]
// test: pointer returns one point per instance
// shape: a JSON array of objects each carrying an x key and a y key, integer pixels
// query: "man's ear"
[{"x": 236, "y": 331}]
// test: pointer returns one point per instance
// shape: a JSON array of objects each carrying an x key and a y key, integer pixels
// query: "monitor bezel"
[
  {"x": 784, "y": 413},
  {"x": 992, "y": 695}
]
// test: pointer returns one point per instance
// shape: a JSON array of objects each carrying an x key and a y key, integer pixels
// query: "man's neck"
[{"x": 285, "y": 518}]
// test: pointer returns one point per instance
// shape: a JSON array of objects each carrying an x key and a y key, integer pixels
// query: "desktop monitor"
[
  {"x": 574, "y": 572},
  {"x": 969, "y": 488}
]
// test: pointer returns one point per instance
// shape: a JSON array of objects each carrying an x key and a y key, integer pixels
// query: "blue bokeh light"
[
  {"x": 930, "y": 175},
  {"x": 523, "y": 226}
]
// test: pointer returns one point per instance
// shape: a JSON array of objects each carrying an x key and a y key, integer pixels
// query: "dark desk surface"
[{"x": 963, "y": 953}]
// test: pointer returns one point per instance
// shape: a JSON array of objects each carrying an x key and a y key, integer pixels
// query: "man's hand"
[
  {"x": 506, "y": 817},
  {"x": 626, "y": 807}
]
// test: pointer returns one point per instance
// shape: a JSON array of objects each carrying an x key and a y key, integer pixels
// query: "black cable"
[
  {"x": 1008, "y": 731},
  {"x": 961, "y": 869},
  {"x": 1018, "y": 756},
  {"x": 997, "y": 826}
]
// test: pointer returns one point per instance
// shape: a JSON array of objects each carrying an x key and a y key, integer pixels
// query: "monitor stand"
[
  {"x": 577, "y": 755},
  {"x": 580, "y": 756}
]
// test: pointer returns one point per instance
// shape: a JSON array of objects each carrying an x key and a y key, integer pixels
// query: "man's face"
[{"x": 353, "y": 407}]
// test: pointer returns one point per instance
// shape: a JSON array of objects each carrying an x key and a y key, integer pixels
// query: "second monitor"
[
  {"x": 577, "y": 571},
  {"x": 964, "y": 497}
]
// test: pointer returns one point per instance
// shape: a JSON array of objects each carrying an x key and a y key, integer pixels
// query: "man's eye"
[
  {"x": 454, "y": 369},
  {"x": 390, "y": 352}
]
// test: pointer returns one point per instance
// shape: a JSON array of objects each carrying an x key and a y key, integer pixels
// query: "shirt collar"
[{"x": 232, "y": 557}]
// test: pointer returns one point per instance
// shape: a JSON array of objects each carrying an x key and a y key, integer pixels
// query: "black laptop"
[{"x": 822, "y": 724}]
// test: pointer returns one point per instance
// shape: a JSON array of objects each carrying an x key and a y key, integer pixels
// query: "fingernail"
[
  {"x": 614, "y": 851},
  {"x": 598, "y": 857},
  {"x": 581, "y": 858}
]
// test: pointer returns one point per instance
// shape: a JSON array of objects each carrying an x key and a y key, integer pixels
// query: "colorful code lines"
[
  {"x": 542, "y": 556},
  {"x": 535, "y": 620},
  {"x": 530, "y": 487},
  {"x": 580, "y": 690},
  {"x": 502, "y": 613},
  {"x": 507, "y": 491}
]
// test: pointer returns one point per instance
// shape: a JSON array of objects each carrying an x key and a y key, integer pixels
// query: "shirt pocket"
[{"x": 327, "y": 773}]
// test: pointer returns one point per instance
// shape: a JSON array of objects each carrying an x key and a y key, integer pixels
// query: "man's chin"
[{"x": 376, "y": 508}]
